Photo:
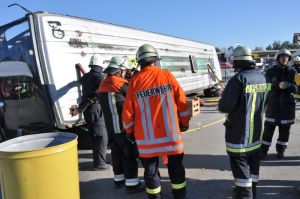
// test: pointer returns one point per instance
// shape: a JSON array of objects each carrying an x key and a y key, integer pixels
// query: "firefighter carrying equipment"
[
  {"x": 243, "y": 133},
  {"x": 93, "y": 113},
  {"x": 155, "y": 104},
  {"x": 90, "y": 83},
  {"x": 283, "y": 51},
  {"x": 242, "y": 53}
]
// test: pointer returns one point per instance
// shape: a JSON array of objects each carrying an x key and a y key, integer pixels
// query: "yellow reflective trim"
[
  {"x": 179, "y": 186},
  {"x": 297, "y": 79},
  {"x": 255, "y": 88},
  {"x": 153, "y": 191},
  {"x": 252, "y": 117},
  {"x": 233, "y": 150},
  {"x": 297, "y": 96}
]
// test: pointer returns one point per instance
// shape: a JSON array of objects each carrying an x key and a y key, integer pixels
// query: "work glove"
[
  {"x": 284, "y": 85},
  {"x": 74, "y": 110}
]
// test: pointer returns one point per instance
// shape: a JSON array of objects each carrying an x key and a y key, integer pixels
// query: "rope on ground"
[{"x": 204, "y": 126}]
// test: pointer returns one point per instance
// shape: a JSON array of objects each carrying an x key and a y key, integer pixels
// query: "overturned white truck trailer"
[{"x": 51, "y": 44}]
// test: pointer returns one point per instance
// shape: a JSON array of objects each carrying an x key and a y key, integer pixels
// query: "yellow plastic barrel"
[{"x": 41, "y": 166}]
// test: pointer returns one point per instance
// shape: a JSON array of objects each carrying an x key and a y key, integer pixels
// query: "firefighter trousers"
[
  {"x": 176, "y": 173},
  {"x": 282, "y": 141},
  {"x": 245, "y": 170},
  {"x": 99, "y": 150},
  {"x": 124, "y": 161},
  {"x": 98, "y": 134}
]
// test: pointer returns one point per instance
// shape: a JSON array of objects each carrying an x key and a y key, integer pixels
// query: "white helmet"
[
  {"x": 147, "y": 52},
  {"x": 283, "y": 51},
  {"x": 96, "y": 60},
  {"x": 242, "y": 53},
  {"x": 296, "y": 59},
  {"x": 118, "y": 63}
]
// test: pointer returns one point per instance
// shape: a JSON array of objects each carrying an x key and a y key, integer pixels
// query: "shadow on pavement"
[
  {"x": 221, "y": 162},
  {"x": 271, "y": 160},
  {"x": 87, "y": 164},
  {"x": 196, "y": 189},
  {"x": 196, "y": 161}
]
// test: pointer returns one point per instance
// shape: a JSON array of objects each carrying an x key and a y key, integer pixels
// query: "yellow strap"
[
  {"x": 297, "y": 96},
  {"x": 153, "y": 191},
  {"x": 179, "y": 186}
]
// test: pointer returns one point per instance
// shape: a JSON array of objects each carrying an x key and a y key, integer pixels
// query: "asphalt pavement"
[{"x": 207, "y": 166}]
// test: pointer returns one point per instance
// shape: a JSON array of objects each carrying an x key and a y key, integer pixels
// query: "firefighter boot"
[
  {"x": 119, "y": 184},
  {"x": 263, "y": 151},
  {"x": 280, "y": 156},
  {"x": 135, "y": 189}
]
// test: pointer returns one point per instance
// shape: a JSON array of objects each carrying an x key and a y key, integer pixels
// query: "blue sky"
[{"x": 254, "y": 23}]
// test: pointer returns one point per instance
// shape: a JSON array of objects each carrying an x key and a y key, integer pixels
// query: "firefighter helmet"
[
  {"x": 242, "y": 53},
  {"x": 96, "y": 60},
  {"x": 296, "y": 59},
  {"x": 116, "y": 64},
  {"x": 283, "y": 51},
  {"x": 147, "y": 52}
]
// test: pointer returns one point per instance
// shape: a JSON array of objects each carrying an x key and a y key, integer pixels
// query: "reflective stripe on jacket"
[
  {"x": 243, "y": 99},
  {"x": 112, "y": 92},
  {"x": 155, "y": 104}
]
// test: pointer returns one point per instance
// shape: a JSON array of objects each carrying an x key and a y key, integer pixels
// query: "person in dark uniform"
[
  {"x": 93, "y": 115},
  {"x": 296, "y": 64},
  {"x": 112, "y": 92},
  {"x": 243, "y": 101},
  {"x": 280, "y": 110}
]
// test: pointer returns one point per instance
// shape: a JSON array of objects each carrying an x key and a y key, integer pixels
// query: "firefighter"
[
  {"x": 154, "y": 115},
  {"x": 280, "y": 110},
  {"x": 243, "y": 101},
  {"x": 112, "y": 92},
  {"x": 296, "y": 64},
  {"x": 92, "y": 111}
]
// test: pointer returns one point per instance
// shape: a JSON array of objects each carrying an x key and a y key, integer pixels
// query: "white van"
[{"x": 51, "y": 45}]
